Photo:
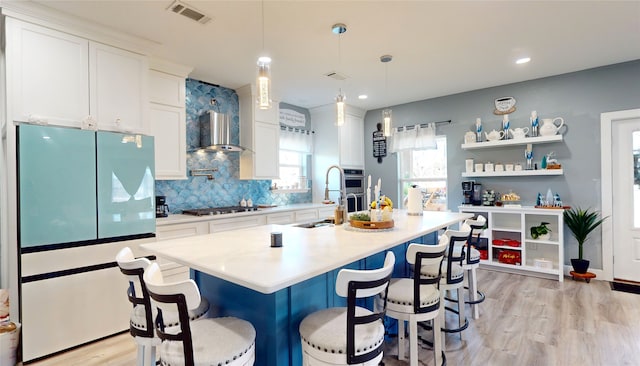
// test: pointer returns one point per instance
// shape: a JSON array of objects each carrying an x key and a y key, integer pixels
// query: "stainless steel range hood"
[{"x": 215, "y": 132}]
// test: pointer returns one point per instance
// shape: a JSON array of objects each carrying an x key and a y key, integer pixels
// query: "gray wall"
[{"x": 578, "y": 97}]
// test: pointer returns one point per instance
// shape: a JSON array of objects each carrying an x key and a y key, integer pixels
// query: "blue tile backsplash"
[{"x": 225, "y": 189}]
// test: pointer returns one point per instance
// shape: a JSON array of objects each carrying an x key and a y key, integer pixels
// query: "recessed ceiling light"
[
  {"x": 362, "y": 96},
  {"x": 523, "y": 60}
]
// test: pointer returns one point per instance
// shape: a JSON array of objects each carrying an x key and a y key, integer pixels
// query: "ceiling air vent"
[
  {"x": 336, "y": 75},
  {"x": 189, "y": 11}
]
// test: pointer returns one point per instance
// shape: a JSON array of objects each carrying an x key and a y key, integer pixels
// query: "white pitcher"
[
  {"x": 549, "y": 127},
  {"x": 519, "y": 133}
]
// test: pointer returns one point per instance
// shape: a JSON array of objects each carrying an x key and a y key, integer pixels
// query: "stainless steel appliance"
[
  {"x": 355, "y": 188},
  {"x": 162, "y": 209},
  {"x": 218, "y": 210}
]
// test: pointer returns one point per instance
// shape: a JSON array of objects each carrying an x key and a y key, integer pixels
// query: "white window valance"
[
  {"x": 297, "y": 140},
  {"x": 414, "y": 137}
]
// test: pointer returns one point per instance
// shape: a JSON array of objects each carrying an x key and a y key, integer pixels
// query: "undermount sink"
[{"x": 315, "y": 224}]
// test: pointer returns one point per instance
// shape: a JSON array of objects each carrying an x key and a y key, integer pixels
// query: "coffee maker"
[
  {"x": 162, "y": 209},
  {"x": 471, "y": 193}
]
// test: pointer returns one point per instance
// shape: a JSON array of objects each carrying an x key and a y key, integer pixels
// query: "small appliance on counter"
[
  {"x": 162, "y": 209},
  {"x": 471, "y": 193}
]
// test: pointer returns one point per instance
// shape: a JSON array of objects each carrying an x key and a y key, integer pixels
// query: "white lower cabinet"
[
  {"x": 236, "y": 223},
  {"x": 509, "y": 245},
  {"x": 282, "y": 218},
  {"x": 172, "y": 271},
  {"x": 306, "y": 215},
  {"x": 326, "y": 212}
]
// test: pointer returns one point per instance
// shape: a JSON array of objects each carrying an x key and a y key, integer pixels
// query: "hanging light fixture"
[
  {"x": 339, "y": 29},
  {"x": 387, "y": 121},
  {"x": 264, "y": 74}
]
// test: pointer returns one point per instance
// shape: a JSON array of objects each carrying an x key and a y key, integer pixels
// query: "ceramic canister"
[{"x": 479, "y": 167}]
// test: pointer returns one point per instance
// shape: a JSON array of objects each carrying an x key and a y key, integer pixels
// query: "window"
[
  {"x": 295, "y": 150},
  {"x": 428, "y": 170},
  {"x": 293, "y": 168}
]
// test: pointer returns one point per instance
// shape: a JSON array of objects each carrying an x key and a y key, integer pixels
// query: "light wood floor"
[{"x": 523, "y": 321}]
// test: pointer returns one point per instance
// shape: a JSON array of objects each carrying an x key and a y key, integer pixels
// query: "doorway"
[{"x": 620, "y": 133}]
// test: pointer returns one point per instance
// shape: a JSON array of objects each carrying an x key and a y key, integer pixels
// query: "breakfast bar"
[{"x": 275, "y": 288}]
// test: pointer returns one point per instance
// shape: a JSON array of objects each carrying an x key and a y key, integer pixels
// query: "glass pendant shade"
[
  {"x": 340, "y": 109},
  {"x": 387, "y": 122},
  {"x": 264, "y": 83}
]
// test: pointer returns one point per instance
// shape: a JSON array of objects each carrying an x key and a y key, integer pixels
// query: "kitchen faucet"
[
  {"x": 355, "y": 200},
  {"x": 343, "y": 191}
]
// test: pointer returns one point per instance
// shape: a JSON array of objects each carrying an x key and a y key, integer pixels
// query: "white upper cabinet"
[
  {"x": 47, "y": 75},
  {"x": 167, "y": 118},
  {"x": 352, "y": 142},
  {"x": 335, "y": 145},
  {"x": 118, "y": 88},
  {"x": 61, "y": 79},
  {"x": 260, "y": 135}
]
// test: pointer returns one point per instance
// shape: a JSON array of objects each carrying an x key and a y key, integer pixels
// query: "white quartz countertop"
[
  {"x": 245, "y": 257},
  {"x": 181, "y": 218}
]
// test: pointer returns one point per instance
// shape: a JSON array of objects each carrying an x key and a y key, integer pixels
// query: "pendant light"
[
  {"x": 264, "y": 74},
  {"x": 387, "y": 121},
  {"x": 339, "y": 29}
]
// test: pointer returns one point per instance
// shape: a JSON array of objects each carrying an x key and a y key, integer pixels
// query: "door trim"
[{"x": 606, "y": 174}]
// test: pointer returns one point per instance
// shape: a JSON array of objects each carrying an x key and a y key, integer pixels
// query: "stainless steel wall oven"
[{"x": 355, "y": 188}]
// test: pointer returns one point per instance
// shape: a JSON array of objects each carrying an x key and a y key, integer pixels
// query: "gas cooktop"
[{"x": 218, "y": 210}]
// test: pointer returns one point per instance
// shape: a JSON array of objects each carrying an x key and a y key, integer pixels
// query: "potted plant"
[
  {"x": 541, "y": 231},
  {"x": 581, "y": 223}
]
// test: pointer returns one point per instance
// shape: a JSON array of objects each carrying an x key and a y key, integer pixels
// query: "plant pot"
[
  {"x": 546, "y": 236},
  {"x": 580, "y": 265}
]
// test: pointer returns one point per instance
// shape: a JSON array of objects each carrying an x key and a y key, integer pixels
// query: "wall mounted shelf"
[
  {"x": 512, "y": 142},
  {"x": 515, "y": 173}
]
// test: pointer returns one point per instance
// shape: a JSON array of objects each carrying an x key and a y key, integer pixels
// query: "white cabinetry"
[
  {"x": 170, "y": 270},
  {"x": 117, "y": 89},
  {"x": 327, "y": 211},
  {"x": 168, "y": 118},
  {"x": 236, "y": 223},
  {"x": 333, "y": 145},
  {"x": 47, "y": 75},
  {"x": 352, "y": 142},
  {"x": 510, "y": 245},
  {"x": 260, "y": 135},
  {"x": 306, "y": 215},
  {"x": 62, "y": 79},
  {"x": 282, "y": 218}
]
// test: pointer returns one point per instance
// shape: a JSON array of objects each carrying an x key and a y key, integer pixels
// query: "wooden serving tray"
[{"x": 371, "y": 224}]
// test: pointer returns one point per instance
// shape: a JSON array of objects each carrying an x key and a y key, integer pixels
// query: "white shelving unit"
[
  {"x": 512, "y": 142},
  {"x": 514, "y": 224},
  {"x": 515, "y": 173}
]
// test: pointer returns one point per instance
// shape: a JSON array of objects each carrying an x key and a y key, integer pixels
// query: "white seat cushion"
[
  {"x": 216, "y": 341},
  {"x": 170, "y": 319},
  {"x": 432, "y": 271},
  {"x": 400, "y": 296},
  {"x": 326, "y": 331}
]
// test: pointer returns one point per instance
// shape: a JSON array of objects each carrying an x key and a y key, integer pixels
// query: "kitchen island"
[{"x": 275, "y": 288}]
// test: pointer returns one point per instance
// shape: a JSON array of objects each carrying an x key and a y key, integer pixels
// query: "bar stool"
[
  {"x": 209, "y": 341},
  {"x": 141, "y": 319},
  {"x": 417, "y": 299},
  {"x": 353, "y": 334},
  {"x": 452, "y": 278},
  {"x": 472, "y": 262}
]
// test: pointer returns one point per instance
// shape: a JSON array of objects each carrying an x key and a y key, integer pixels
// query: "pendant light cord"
[{"x": 262, "y": 14}]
